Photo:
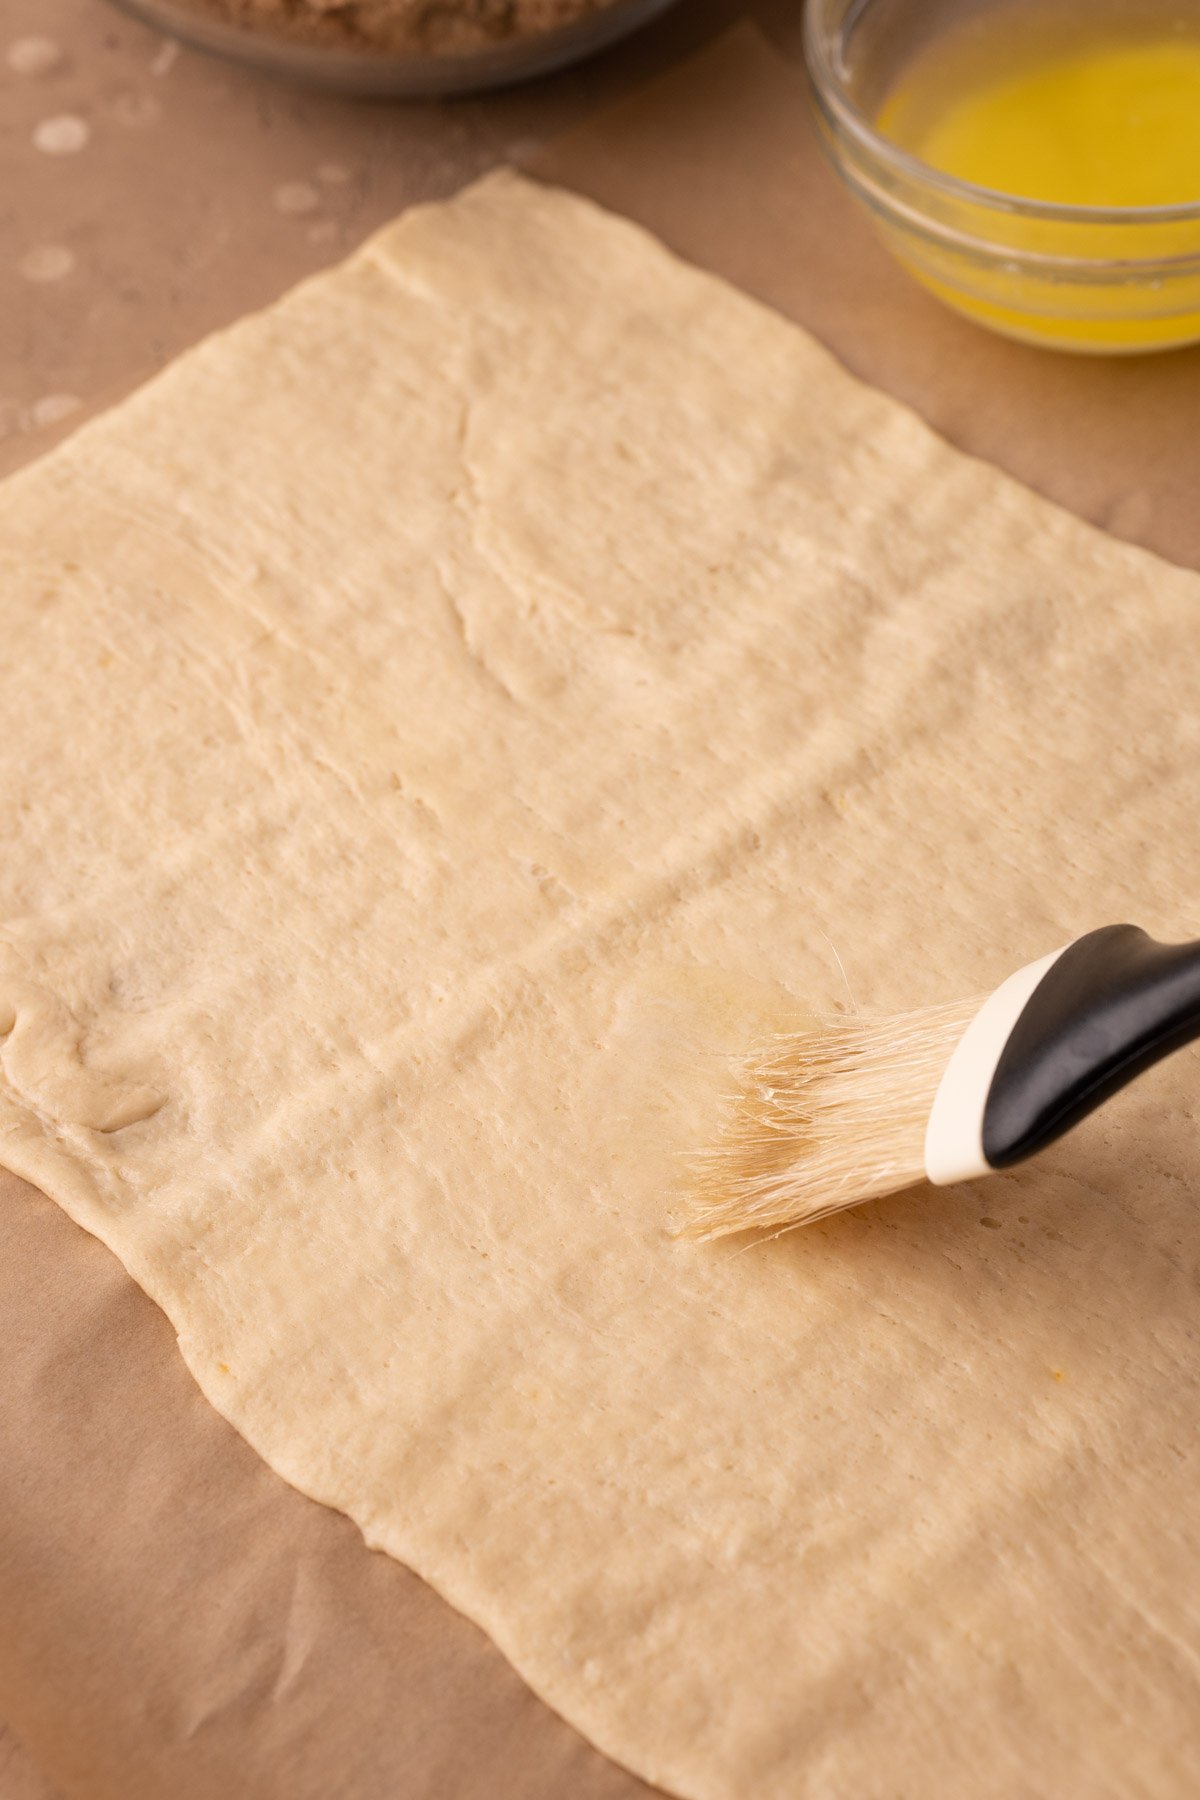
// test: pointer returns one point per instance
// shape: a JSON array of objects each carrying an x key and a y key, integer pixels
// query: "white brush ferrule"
[{"x": 954, "y": 1134}]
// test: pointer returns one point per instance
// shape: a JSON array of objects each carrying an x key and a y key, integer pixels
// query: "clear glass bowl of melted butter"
[{"x": 1034, "y": 163}]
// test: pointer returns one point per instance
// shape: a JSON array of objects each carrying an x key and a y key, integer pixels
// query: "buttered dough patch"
[{"x": 444, "y": 717}]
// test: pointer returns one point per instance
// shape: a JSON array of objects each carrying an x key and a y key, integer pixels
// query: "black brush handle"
[{"x": 1111, "y": 1005}]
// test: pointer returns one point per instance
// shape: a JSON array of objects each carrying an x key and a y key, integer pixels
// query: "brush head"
[{"x": 824, "y": 1120}]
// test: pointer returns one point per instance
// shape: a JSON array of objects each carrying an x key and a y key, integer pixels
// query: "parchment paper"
[
  {"x": 20, "y": 1777},
  {"x": 173, "y": 1619}
]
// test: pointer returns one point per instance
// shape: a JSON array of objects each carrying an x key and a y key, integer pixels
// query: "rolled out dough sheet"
[{"x": 443, "y": 716}]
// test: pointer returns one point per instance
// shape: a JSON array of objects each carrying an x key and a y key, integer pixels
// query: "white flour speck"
[
  {"x": 34, "y": 56},
  {"x": 296, "y": 197},
  {"x": 62, "y": 135},
  {"x": 164, "y": 58},
  {"x": 136, "y": 110},
  {"x": 46, "y": 262},
  {"x": 52, "y": 408}
]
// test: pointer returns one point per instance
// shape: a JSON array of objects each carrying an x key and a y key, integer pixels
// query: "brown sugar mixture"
[{"x": 401, "y": 27}]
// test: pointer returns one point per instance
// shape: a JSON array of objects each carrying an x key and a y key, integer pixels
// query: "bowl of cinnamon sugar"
[{"x": 408, "y": 48}]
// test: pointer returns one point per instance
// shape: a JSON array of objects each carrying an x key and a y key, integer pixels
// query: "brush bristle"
[{"x": 823, "y": 1120}]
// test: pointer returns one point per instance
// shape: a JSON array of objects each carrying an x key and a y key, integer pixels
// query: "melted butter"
[
  {"x": 1093, "y": 105},
  {"x": 1109, "y": 120}
]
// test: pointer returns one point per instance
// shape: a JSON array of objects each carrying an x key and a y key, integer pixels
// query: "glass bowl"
[
  {"x": 1119, "y": 279},
  {"x": 418, "y": 76}
]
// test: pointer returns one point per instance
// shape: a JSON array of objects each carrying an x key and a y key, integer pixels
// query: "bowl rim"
[
  {"x": 366, "y": 73},
  {"x": 818, "y": 41}
]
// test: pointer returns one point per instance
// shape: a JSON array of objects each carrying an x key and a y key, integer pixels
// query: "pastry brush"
[{"x": 863, "y": 1107}]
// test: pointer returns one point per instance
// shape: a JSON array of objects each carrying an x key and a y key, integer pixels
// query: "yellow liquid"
[{"x": 1090, "y": 105}]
